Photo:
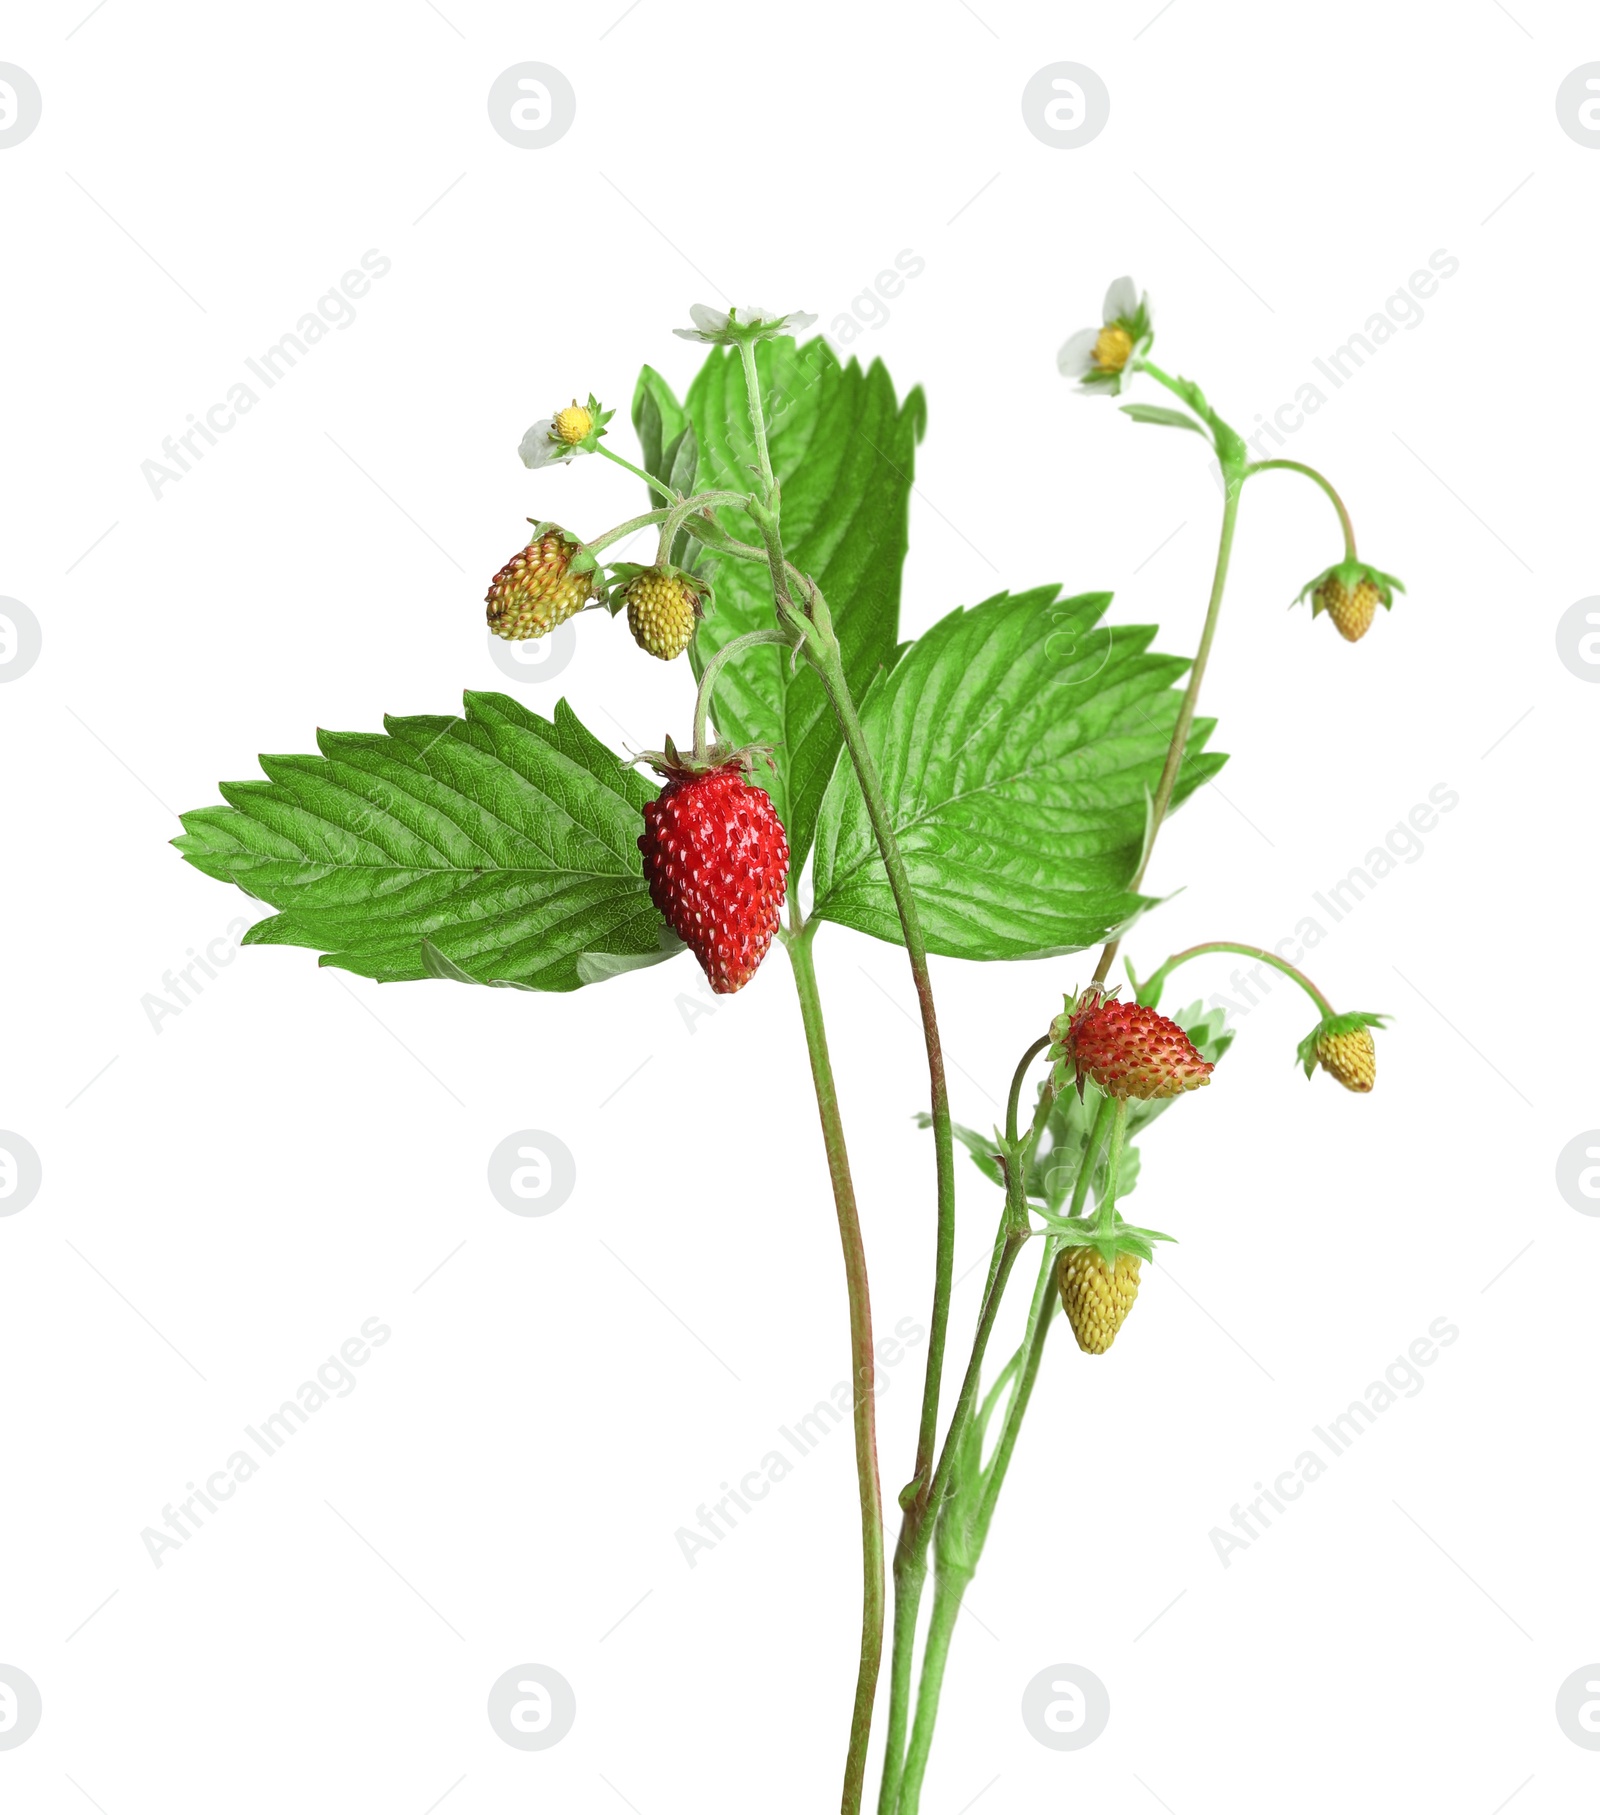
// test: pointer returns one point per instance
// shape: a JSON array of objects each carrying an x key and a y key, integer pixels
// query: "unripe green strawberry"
[
  {"x": 1352, "y": 608},
  {"x": 663, "y": 609},
  {"x": 1342, "y": 1046},
  {"x": 1096, "y": 1295},
  {"x": 1351, "y": 1058},
  {"x": 537, "y": 589},
  {"x": 1350, "y": 592}
]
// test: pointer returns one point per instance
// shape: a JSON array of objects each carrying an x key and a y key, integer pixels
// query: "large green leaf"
[
  {"x": 494, "y": 848},
  {"x": 1019, "y": 744},
  {"x": 842, "y": 448}
]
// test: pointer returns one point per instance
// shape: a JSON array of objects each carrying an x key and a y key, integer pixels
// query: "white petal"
[
  {"x": 537, "y": 449},
  {"x": 798, "y": 318},
  {"x": 1077, "y": 354},
  {"x": 707, "y": 319},
  {"x": 1122, "y": 299}
]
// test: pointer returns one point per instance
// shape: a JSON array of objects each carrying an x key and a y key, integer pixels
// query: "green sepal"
[
  {"x": 1089, "y": 1232},
  {"x": 1306, "y": 1051},
  {"x": 599, "y": 418},
  {"x": 1350, "y": 574}
]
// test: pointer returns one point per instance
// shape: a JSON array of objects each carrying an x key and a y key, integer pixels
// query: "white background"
[{"x": 228, "y": 1199}]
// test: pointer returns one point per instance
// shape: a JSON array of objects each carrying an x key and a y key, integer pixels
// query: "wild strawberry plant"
[{"x": 989, "y": 791}]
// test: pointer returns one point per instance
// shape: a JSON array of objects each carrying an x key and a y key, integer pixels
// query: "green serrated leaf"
[
  {"x": 659, "y": 421},
  {"x": 1018, "y": 743},
  {"x": 842, "y": 447},
  {"x": 497, "y": 848}
]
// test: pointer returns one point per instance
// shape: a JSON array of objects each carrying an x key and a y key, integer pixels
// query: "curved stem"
[
  {"x": 1191, "y": 699},
  {"x": 708, "y": 679},
  {"x": 624, "y": 529},
  {"x": 1158, "y": 977},
  {"x": 1016, "y": 1085},
  {"x": 861, "y": 1365},
  {"x": 682, "y": 511},
  {"x": 638, "y": 472},
  {"x": 1316, "y": 478}
]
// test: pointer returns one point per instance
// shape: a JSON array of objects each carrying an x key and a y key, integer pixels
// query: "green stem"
[
  {"x": 1106, "y": 1217},
  {"x": 708, "y": 679},
  {"x": 1039, "y": 1315},
  {"x": 855, "y": 742},
  {"x": 1153, "y": 982},
  {"x": 1316, "y": 478},
  {"x": 624, "y": 529},
  {"x": 862, "y": 1366},
  {"x": 951, "y": 1576},
  {"x": 758, "y": 415},
  {"x": 1017, "y": 1078},
  {"x": 638, "y": 472},
  {"x": 949, "y": 1586},
  {"x": 681, "y": 512},
  {"x": 823, "y": 652},
  {"x": 1191, "y": 699}
]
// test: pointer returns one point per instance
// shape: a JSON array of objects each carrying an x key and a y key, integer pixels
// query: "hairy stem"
[
  {"x": 1347, "y": 528},
  {"x": 949, "y": 1586},
  {"x": 1017, "y": 1078},
  {"x": 1191, "y": 700},
  {"x": 861, "y": 1366},
  {"x": 823, "y": 651},
  {"x": 1153, "y": 982},
  {"x": 1039, "y": 1315},
  {"x": 708, "y": 679},
  {"x": 624, "y": 529},
  {"x": 952, "y": 1576},
  {"x": 855, "y": 742},
  {"x": 638, "y": 472}
]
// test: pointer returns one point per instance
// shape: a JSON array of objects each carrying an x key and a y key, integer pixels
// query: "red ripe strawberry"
[
  {"x": 717, "y": 862},
  {"x": 1125, "y": 1049}
]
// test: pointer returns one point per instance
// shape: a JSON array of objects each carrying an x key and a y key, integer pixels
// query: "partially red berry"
[
  {"x": 536, "y": 589},
  {"x": 717, "y": 862},
  {"x": 1125, "y": 1049}
]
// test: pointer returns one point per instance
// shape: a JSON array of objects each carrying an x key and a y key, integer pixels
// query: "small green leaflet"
[
  {"x": 494, "y": 848},
  {"x": 1153, "y": 412},
  {"x": 1019, "y": 744},
  {"x": 842, "y": 448}
]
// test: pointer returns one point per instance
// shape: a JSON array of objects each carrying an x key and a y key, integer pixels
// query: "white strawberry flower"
[
  {"x": 727, "y": 327},
  {"x": 562, "y": 437},
  {"x": 1105, "y": 358}
]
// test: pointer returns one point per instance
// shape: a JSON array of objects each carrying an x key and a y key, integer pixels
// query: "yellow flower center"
[
  {"x": 573, "y": 423},
  {"x": 1112, "y": 347}
]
